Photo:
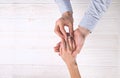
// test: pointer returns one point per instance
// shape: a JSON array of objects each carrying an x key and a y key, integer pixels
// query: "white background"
[{"x": 27, "y": 39}]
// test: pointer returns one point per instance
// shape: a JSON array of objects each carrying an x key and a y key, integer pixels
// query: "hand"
[
  {"x": 69, "y": 59},
  {"x": 70, "y": 41},
  {"x": 66, "y": 53},
  {"x": 79, "y": 38},
  {"x": 65, "y": 20}
]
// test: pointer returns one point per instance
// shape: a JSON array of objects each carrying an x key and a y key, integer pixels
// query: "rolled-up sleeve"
[
  {"x": 93, "y": 14},
  {"x": 64, "y": 5}
]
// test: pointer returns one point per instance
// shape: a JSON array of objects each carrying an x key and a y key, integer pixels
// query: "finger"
[
  {"x": 74, "y": 45},
  {"x": 63, "y": 45},
  {"x": 56, "y": 48},
  {"x": 69, "y": 44},
  {"x": 76, "y": 51},
  {"x": 68, "y": 48},
  {"x": 60, "y": 49},
  {"x": 58, "y": 32},
  {"x": 71, "y": 30},
  {"x": 63, "y": 31}
]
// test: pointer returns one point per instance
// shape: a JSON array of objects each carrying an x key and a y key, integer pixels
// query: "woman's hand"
[
  {"x": 66, "y": 53},
  {"x": 69, "y": 59}
]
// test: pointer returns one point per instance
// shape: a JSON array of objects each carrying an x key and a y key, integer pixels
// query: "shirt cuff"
[
  {"x": 64, "y": 5},
  {"x": 89, "y": 22}
]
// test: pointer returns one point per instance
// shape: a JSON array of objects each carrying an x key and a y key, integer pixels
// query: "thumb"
[{"x": 76, "y": 51}]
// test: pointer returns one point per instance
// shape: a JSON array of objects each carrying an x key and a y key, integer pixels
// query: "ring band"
[{"x": 69, "y": 37}]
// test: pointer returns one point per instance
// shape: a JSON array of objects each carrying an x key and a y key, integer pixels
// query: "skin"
[
  {"x": 76, "y": 43},
  {"x": 68, "y": 56},
  {"x": 69, "y": 60},
  {"x": 79, "y": 35},
  {"x": 65, "y": 20},
  {"x": 79, "y": 39}
]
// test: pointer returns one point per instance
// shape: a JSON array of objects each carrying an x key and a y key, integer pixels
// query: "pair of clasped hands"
[{"x": 72, "y": 41}]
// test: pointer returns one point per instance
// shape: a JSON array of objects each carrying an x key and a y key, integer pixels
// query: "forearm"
[
  {"x": 64, "y": 5},
  {"x": 93, "y": 14},
  {"x": 73, "y": 70}
]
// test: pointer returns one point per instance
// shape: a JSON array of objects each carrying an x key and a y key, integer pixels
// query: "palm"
[{"x": 79, "y": 41}]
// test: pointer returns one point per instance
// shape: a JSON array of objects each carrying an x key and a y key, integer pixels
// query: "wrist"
[
  {"x": 67, "y": 14},
  {"x": 84, "y": 31},
  {"x": 72, "y": 64}
]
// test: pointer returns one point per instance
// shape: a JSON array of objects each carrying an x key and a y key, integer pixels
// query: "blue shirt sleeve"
[
  {"x": 93, "y": 14},
  {"x": 64, "y": 5}
]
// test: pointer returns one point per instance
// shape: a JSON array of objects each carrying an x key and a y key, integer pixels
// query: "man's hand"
[
  {"x": 65, "y": 20},
  {"x": 79, "y": 38}
]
